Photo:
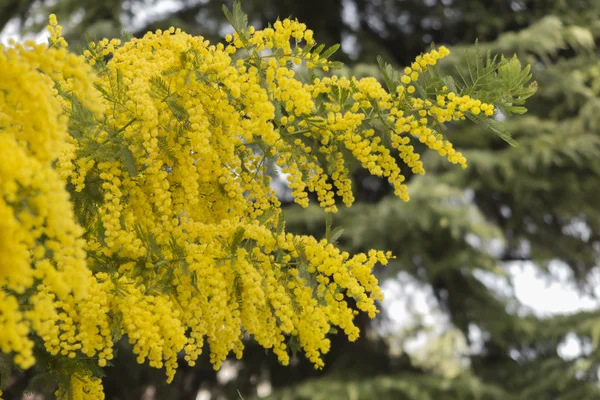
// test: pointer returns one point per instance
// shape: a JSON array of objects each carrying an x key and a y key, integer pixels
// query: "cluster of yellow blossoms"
[
  {"x": 40, "y": 240},
  {"x": 136, "y": 200}
]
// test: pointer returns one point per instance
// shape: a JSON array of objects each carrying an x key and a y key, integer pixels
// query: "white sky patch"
[
  {"x": 227, "y": 372},
  {"x": 280, "y": 185},
  {"x": 549, "y": 295},
  {"x": 476, "y": 339},
  {"x": 350, "y": 45},
  {"x": 203, "y": 394},
  {"x": 264, "y": 389},
  {"x": 501, "y": 285},
  {"x": 144, "y": 13},
  {"x": 572, "y": 347},
  {"x": 12, "y": 31},
  {"x": 350, "y": 14},
  {"x": 408, "y": 302}
]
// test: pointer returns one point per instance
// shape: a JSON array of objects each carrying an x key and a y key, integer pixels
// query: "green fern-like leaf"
[
  {"x": 330, "y": 51},
  {"x": 160, "y": 88},
  {"x": 179, "y": 112},
  {"x": 237, "y": 18},
  {"x": 390, "y": 74},
  {"x": 236, "y": 240},
  {"x": 128, "y": 160}
]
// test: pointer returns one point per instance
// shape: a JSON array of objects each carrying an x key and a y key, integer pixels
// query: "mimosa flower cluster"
[
  {"x": 135, "y": 194},
  {"x": 40, "y": 240}
]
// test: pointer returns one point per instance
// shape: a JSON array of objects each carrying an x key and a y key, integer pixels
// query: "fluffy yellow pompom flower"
[
  {"x": 40, "y": 239},
  {"x": 136, "y": 201}
]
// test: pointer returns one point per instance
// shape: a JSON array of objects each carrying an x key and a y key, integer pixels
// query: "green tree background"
[{"x": 462, "y": 232}]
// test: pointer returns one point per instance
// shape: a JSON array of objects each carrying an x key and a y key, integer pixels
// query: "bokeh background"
[{"x": 494, "y": 292}]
